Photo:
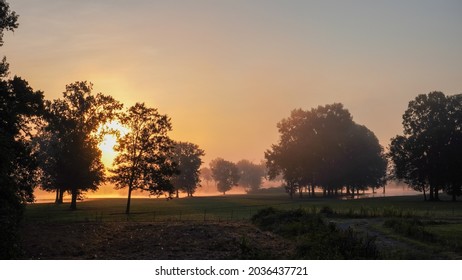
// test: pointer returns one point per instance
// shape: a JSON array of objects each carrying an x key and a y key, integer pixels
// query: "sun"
[
  {"x": 109, "y": 141},
  {"x": 107, "y": 148}
]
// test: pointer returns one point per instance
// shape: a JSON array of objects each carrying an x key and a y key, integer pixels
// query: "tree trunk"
[
  {"x": 127, "y": 210},
  {"x": 74, "y": 194},
  {"x": 436, "y": 194},
  {"x": 431, "y": 193},
  {"x": 425, "y": 195},
  {"x": 177, "y": 194},
  {"x": 61, "y": 195},
  {"x": 57, "y": 196},
  {"x": 291, "y": 192},
  {"x": 312, "y": 191}
]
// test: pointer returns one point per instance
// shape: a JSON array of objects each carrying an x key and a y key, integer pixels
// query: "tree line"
[
  {"x": 54, "y": 144},
  {"x": 227, "y": 174},
  {"x": 324, "y": 148}
]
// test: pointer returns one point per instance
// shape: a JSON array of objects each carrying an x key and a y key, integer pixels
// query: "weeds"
[
  {"x": 315, "y": 238},
  {"x": 413, "y": 228}
]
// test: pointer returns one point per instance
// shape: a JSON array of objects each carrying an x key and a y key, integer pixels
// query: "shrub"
[
  {"x": 316, "y": 239},
  {"x": 413, "y": 228}
]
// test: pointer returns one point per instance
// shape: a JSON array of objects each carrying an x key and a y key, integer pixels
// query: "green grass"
[
  {"x": 238, "y": 207},
  {"x": 413, "y": 219}
]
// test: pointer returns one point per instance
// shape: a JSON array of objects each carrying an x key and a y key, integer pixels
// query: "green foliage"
[
  {"x": 413, "y": 228},
  {"x": 315, "y": 238}
]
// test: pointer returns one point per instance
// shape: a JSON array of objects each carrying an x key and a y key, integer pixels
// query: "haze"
[{"x": 227, "y": 71}]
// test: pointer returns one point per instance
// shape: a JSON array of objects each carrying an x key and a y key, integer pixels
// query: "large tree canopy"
[
  {"x": 74, "y": 121},
  {"x": 428, "y": 156},
  {"x": 20, "y": 110},
  {"x": 325, "y": 147},
  {"x": 144, "y": 153}
]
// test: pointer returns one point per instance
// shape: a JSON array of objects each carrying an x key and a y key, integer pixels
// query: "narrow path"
[{"x": 390, "y": 246}]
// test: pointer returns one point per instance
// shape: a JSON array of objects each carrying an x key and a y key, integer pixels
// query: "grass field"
[
  {"x": 238, "y": 207},
  {"x": 404, "y": 227}
]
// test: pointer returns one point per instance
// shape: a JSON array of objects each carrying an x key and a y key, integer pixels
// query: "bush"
[
  {"x": 327, "y": 211},
  {"x": 314, "y": 238},
  {"x": 413, "y": 228}
]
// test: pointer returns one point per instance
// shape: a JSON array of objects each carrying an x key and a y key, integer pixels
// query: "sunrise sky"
[{"x": 227, "y": 71}]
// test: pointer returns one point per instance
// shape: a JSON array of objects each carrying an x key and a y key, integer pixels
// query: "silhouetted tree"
[
  {"x": 225, "y": 173},
  {"x": 8, "y": 19},
  {"x": 250, "y": 175},
  {"x": 20, "y": 111},
  {"x": 74, "y": 120},
  {"x": 144, "y": 153},
  {"x": 408, "y": 164},
  {"x": 366, "y": 162},
  {"x": 49, "y": 149},
  {"x": 453, "y": 149},
  {"x": 19, "y": 108},
  {"x": 187, "y": 156},
  {"x": 206, "y": 174},
  {"x": 428, "y": 154},
  {"x": 325, "y": 147}
]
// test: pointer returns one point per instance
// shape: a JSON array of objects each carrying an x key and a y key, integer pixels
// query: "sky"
[{"x": 227, "y": 72}]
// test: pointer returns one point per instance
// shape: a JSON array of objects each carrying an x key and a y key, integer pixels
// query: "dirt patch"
[{"x": 166, "y": 240}]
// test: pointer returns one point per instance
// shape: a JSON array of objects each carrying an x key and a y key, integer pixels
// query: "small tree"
[
  {"x": 188, "y": 158},
  {"x": 206, "y": 174},
  {"x": 225, "y": 173},
  {"x": 144, "y": 153},
  {"x": 49, "y": 150},
  {"x": 250, "y": 175}
]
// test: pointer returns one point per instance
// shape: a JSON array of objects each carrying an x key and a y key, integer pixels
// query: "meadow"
[
  {"x": 403, "y": 227},
  {"x": 239, "y": 207}
]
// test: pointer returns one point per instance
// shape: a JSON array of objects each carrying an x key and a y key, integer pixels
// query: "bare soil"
[{"x": 160, "y": 240}]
